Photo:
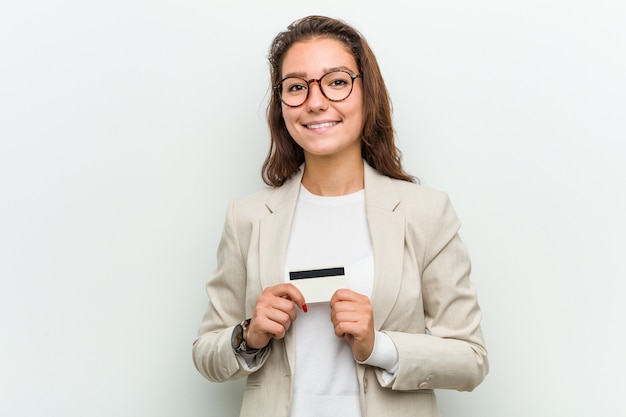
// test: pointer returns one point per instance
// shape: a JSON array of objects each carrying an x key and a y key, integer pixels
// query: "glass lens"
[
  {"x": 336, "y": 85},
  {"x": 293, "y": 91}
]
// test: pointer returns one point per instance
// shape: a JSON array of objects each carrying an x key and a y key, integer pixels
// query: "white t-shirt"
[{"x": 329, "y": 232}]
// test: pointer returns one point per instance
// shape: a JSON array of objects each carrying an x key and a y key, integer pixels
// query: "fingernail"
[{"x": 304, "y": 307}]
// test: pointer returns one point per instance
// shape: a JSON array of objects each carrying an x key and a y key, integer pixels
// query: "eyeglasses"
[{"x": 335, "y": 86}]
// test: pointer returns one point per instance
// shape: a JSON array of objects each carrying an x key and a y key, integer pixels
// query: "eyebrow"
[{"x": 326, "y": 71}]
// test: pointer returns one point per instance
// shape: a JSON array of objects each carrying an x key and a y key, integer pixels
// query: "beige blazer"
[{"x": 422, "y": 298}]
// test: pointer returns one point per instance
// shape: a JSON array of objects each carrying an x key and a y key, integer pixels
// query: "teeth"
[{"x": 321, "y": 125}]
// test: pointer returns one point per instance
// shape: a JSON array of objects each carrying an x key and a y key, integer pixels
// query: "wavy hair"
[{"x": 377, "y": 138}]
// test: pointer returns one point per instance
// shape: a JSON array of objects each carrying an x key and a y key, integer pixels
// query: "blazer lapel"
[
  {"x": 274, "y": 231},
  {"x": 387, "y": 229}
]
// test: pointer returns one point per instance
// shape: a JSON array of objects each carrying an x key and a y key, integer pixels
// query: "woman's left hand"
[{"x": 352, "y": 317}]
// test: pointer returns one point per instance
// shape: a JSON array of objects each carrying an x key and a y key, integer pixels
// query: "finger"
[
  {"x": 275, "y": 329},
  {"x": 281, "y": 296},
  {"x": 360, "y": 308},
  {"x": 283, "y": 305},
  {"x": 274, "y": 324},
  {"x": 342, "y": 329},
  {"x": 344, "y": 294},
  {"x": 348, "y": 317},
  {"x": 291, "y": 292},
  {"x": 358, "y": 331},
  {"x": 281, "y": 317}
]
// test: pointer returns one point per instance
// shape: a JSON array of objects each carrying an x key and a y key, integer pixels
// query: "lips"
[{"x": 320, "y": 125}]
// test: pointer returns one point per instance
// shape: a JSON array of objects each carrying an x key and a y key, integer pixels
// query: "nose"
[{"x": 317, "y": 100}]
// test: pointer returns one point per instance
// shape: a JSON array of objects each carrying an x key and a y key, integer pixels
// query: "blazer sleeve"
[
  {"x": 451, "y": 353},
  {"x": 212, "y": 351}
]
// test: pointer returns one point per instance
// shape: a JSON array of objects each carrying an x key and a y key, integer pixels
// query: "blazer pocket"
[
  {"x": 253, "y": 385},
  {"x": 253, "y": 381}
]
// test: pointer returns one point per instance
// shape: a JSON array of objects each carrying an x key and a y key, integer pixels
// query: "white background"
[{"x": 126, "y": 126}]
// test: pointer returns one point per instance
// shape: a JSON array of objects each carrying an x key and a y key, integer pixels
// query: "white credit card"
[{"x": 318, "y": 285}]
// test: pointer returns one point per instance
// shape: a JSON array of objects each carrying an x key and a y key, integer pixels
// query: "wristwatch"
[{"x": 238, "y": 341}]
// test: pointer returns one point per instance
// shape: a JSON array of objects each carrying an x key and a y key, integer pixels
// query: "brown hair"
[{"x": 377, "y": 139}]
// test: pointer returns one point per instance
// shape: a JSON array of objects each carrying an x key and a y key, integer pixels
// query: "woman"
[{"x": 408, "y": 320}]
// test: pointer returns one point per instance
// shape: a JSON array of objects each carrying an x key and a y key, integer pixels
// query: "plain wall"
[{"x": 127, "y": 126}]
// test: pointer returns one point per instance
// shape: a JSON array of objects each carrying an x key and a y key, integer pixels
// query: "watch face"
[{"x": 237, "y": 337}]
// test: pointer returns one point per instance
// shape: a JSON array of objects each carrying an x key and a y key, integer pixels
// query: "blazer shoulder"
[
  {"x": 414, "y": 196},
  {"x": 269, "y": 199},
  {"x": 250, "y": 206},
  {"x": 396, "y": 195},
  {"x": 421, "y": 204}
]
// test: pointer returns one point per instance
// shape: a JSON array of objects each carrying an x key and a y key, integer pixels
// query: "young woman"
[{"x": 407, "y": 321}]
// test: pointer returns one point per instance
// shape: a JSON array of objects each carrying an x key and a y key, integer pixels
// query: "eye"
[
  {"x": 338, "y": 80},
  {"x": 297, "y": 87},
  {"x": 338, "y": 83},
  {"x": 294, "y": 86}
]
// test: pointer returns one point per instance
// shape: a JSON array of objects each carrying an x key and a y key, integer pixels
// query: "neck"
[{"x": 328, "y": 177}]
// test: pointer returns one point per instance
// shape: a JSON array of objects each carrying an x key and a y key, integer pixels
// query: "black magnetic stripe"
[{"x": 317, "y": 273}]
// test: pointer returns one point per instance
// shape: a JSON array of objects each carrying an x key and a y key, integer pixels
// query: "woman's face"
[{"x": 321, "y": 127}]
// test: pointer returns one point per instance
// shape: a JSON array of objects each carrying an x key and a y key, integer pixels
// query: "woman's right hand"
[{"x": 274, "y": 312}]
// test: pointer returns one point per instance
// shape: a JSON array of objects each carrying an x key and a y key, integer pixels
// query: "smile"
[{"x": 321, "y": 125}]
